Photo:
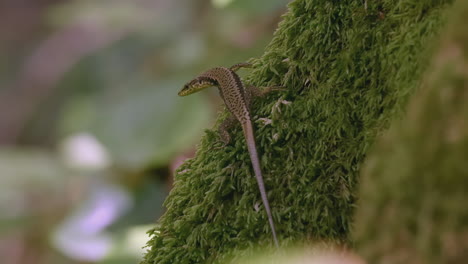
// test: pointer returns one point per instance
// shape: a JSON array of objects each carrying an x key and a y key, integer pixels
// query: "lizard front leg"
[{"x": 237, "y": 66}]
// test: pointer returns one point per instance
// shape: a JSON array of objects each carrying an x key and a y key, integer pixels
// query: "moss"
[
  {"x": 415, "y": 182},
  {"x": 349, "y": 67}
]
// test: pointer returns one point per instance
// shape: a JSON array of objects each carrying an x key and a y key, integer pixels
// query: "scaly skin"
[{"x": 237, "y": 99}]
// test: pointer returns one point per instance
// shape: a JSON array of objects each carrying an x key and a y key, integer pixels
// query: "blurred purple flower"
[{"x": 81, "y": 236}]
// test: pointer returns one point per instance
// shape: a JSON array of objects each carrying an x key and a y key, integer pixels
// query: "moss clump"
[
  {"x": 348, "y": 67},
  {"x": 415, "y": 184}
]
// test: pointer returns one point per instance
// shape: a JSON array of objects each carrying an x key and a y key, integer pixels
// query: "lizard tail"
[{"x": 249, "y": 137}]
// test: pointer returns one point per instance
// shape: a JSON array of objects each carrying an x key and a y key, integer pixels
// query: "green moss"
[
  {"x": 349, "y": 68},
  {"x": 415, "y": 184}
]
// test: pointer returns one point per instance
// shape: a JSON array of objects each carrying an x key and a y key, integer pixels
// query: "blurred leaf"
[
  {"x": 148, "y": 206},
  {"x": 147, "y": 123},
  {"x": 254, "y": 7},
  {"x": 119, "y": 14},
  {"x": 140, "y": 122},
  {"x": 221, "y": 3},
  {"x": 150, "y": 18},
  {"x": 29, "y": 167},
  {"x": 10, "y": 224},
  {"x": 27, "y": 174},
  {"x": 186, "y": 50},
  {"x": 129, "y": 246}
]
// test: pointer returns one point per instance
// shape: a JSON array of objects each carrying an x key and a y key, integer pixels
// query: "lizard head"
[{"x": 196, "y": 85}]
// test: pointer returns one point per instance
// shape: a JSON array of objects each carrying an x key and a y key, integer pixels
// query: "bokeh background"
[{"x": 91, "y": 128}]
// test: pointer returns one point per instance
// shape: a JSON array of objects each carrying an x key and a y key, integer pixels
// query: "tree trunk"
[
  {"x": 414, "y": 189},
  {"x": 349, "y": 67}
]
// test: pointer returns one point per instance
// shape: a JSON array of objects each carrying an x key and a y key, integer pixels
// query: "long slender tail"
[{"x": 249, "y": 137}]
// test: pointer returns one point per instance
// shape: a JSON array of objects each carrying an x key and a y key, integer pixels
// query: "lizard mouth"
[{"x": 184, "y": 91}]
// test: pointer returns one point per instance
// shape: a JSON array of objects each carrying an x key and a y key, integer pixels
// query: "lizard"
[{"x": 237, "y": 98}]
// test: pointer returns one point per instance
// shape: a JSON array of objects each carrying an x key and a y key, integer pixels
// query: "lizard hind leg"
[{"x": 224, "y": 127}]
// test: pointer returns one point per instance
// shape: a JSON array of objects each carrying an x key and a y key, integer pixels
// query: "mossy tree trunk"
[
  {"x": 348, "y": 66},
  {"x": 414, "y": 189}
]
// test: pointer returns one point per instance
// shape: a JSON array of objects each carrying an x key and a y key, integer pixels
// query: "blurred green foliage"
[{"x": 112, "y": 70}]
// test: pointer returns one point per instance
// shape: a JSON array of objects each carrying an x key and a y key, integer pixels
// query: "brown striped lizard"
[{"x": 237, "y": 98}]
